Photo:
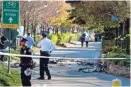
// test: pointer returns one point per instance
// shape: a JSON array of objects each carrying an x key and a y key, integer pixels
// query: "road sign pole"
[
  {"x": 10, "y": 20},
  {"x": 9, "y": 58}
]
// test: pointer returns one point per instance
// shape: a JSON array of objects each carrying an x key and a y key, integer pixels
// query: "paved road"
[
  {"x": 66, "y": 76},
  {"x": 75, "y": 51}
]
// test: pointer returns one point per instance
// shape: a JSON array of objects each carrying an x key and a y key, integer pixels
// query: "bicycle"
[{"x": 92, "y": 67}]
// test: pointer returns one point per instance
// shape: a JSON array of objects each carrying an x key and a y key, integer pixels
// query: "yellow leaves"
[{"x": 62, "y": 18}]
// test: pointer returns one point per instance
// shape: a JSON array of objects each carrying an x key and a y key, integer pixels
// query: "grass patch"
[{"x": 7, "y": 79}]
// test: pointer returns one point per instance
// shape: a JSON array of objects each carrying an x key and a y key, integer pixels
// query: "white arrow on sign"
[{"x": 10, "y": 19}]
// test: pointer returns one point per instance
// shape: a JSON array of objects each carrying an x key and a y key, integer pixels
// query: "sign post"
[
  {"x": 9, "y": 52},
  {"x": 10, "y": 20}
]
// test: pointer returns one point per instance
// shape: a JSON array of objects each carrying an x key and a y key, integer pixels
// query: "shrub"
[
  {"x": 61, "y": 38},
  {"x": 68, "y": 36},
  {"x": 6, "y": 79},
  {"x": 116, "y": 49},
  {"x": 106, "y": 48},
  {"x": 116, "y": 55},
  {"x": 53, "y": 37},
  {"x": 64, "y": 37},
  {"x": 38, "y": 38},
  {"x": 122, "y": 62},
  {"x": 107, "y": 45},
  {"x": 125, "y": 62},
  {"x": 116, "y": 52},
  {"x": 75, "y": 37}
]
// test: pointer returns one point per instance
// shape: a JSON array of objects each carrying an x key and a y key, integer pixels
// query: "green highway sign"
[{"x": 10, "y": 14}]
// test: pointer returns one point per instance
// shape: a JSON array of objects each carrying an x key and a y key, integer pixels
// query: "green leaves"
[
  {"x": 99, "y": 13},
  {"x": 53, "y": 37},
  {"x": 7, "y": 79}
]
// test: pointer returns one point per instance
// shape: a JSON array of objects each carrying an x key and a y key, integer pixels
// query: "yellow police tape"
[{"x": 116, "y": 83}]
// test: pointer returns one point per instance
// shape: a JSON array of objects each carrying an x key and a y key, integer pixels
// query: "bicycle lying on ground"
[{"x": 92, "y": 67}]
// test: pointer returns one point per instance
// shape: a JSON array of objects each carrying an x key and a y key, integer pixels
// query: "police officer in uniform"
[
  {"x": 26, "y": 63},
  {"x": 46, "y": 47}
]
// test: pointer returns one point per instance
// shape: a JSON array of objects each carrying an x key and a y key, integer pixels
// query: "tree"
[
  {"x": 99, "y": 13},
  {"x": 38, "y": 12}
]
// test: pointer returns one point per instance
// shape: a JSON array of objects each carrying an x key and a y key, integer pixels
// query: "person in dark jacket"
[
  {"x": 26, "y": 63},
  {"x": 2, "y": 47},
  {"x": 82, "y": 39}
]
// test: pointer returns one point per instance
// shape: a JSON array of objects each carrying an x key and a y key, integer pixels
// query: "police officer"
[
  {"x": 26, "y": 63},
  {"x": 46, "y": 47}
]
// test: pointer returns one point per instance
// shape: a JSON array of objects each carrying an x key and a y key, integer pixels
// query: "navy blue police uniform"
[{"x": 25, "y": 62}]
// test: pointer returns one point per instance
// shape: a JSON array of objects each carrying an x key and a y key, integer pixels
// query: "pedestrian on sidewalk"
[
  {"x": 93, "y": 37},
  {"x": 30, "y": 41},
  {"x": 46, "y": 47},
  {"x": 96, "y": 37},
  {"x": 26, "y": 63},
  {"x": 82, "y": 39},
  {"x": 86, "y": 39}
]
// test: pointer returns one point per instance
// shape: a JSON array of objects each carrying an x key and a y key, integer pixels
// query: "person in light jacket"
[
  {"x": 46, "y": 47},
  {"x": 86, "y": 38}
]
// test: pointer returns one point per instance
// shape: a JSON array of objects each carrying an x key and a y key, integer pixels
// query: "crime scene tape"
[{"x": 38, "y": 57}]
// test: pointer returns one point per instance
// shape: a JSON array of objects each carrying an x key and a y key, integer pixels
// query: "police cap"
[
  {"x": 44, "y": 34},
  {"x": 24, "y": 40}
]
